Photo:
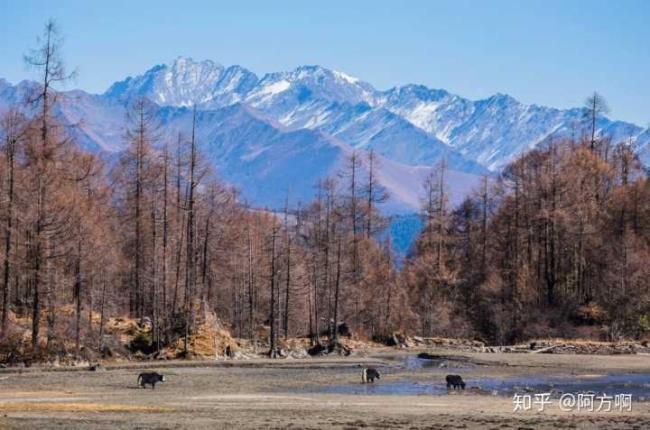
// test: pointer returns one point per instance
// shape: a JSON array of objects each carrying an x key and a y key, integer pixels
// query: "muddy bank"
[{"x": 276, "y": 394}]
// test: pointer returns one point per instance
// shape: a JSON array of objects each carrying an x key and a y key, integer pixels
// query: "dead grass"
[
  {"x": 69, "y": 312},
  {"x": 12, "y": 394},
  {"x": 451, "y": 341},
  {"x": 210, "y": 339},
  {"x": 78, "y": 407},
  {"x": 123, "y": 328},
  {"x": 20, "y": 326},
  {"x": 562, "y": 341}
]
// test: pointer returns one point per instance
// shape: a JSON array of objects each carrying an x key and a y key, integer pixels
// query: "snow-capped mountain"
[
  {"x": 289, "y": 89},
  {"x": 280, "y": 133},
  {"x": 411, "y": 124},
  {"x": 495, "y": 130},
  {"x": 185, "y": 82}
]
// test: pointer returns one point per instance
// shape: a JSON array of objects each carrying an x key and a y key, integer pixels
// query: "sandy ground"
[{"x": 274, "y": 395}]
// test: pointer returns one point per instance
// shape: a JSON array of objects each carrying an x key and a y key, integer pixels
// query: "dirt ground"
[{"x": 276, "y": 394}]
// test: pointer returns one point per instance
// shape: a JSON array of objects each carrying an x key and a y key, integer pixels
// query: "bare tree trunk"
[
  {"x": 155, "y": 320},
  {"x": 179, "y": 253},
  {"x": 287, "y": 291},
  {"x": 353, "y": 215},
  {"x": 89, "y": 291},
  {"x": 273, "y": 341},
  {"x": 338, "y": 289},
  {"x": 204, "y": 263},
  {"x": 50, "y": 296},
  {"x": 593, "y": 123},
  {"x": 484, "y": 226},
  {"x": 251, "y": 294},
  {"x": 190, "y": 275},
  {"x": 190, "y": 272},
  {"x": 441, "y": 212},
  {"x": 180, "y": 220},
  {"x": 389, "y": 294},
  {"x": 371, "y": 162},
  {"x": 312, "y": 332},
  {"x": 36, "y": 269},
  {"x": 10, "y": 154},
  {"x": 77, "y": 297},
  {"x": 101, "y": 317},
  {"x": 165, "y": 238},
  {"x": 140, "y": 136}
]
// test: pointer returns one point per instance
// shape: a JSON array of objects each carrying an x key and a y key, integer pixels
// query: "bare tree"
[
  {"x": 274, "y": 302},
  {"x": 595, "y": 106},
  {"x": 376, "y": 194},
  {"x": 190, "y": 273},
  {"x": 137, "y": 175},
  {"x": 14, "y": 125},
  {"x": 46, "y": 58}
]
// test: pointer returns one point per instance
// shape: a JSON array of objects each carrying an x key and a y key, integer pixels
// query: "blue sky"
[{"x": 548, "y": 52}]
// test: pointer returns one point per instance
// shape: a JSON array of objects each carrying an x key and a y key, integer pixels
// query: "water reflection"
[{"x": 638, "y": 385}]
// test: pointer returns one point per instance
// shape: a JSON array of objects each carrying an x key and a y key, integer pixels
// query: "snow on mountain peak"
[
  {"x": 349, "y": 79},
  {"x": 185, "y": 82},
  {"x": 306, "y": 84},
  {"x": 410, "y": 124}
]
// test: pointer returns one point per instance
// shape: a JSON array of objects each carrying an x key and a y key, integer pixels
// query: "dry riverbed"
[{"x": 287, "y": 394}]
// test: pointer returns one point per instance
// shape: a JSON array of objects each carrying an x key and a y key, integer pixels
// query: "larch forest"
[{"x": 557, "y": 244}]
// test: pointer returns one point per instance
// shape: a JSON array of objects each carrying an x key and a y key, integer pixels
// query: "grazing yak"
[
  {"x": 454, "y": 381},
  {"x": 369, "y": 374},
  {"x": 151, "y": 378}
]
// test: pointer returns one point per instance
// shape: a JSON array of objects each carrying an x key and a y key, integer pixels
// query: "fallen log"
[{"x": 543, "y": 350}]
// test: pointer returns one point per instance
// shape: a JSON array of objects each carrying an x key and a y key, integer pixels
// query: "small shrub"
[
  {"x": 644, "y": 325},
  {"x": 589, "y": 314},
  {"x": 143, "y": 343}
]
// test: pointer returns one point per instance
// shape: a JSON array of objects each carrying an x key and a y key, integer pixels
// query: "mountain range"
[{"x": 274, "y": 136}]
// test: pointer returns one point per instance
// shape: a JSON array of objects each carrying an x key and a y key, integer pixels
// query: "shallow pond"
[{"x": 638, "y": 385}]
